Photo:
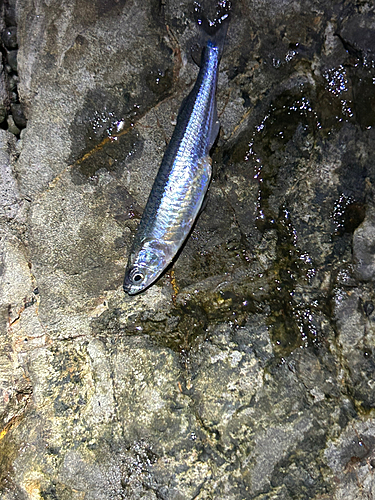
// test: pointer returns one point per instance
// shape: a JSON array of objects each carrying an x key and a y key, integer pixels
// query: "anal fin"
[
  {"x": 215, "y": 126},
  {"x": 214, "y": 132},
  {"x": 205, "y": 163}
]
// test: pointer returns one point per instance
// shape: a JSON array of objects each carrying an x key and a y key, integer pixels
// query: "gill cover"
[{"x": 145, "y": 266}]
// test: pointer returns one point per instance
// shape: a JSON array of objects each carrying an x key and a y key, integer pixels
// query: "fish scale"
[{"x": 181, "y": 183}]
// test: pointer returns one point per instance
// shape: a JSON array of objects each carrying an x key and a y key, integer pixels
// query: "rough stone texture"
[{"x": 246, "y": 371}]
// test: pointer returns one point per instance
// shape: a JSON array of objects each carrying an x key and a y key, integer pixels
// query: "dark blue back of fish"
[
  {"x": 191, "y": 140},
  {"x": 181, "y": 183}
]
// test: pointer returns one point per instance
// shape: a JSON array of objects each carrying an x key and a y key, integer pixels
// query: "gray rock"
[
  {"x": 9, "y": 193},
  {"x": 247, "y": 370},
  {"x": 364, "y": 248},
  {"x": 12, "y": 59},
  {"x": 18, "y": 116},
  {"x": 12, "y": 127},
  {"x": 9, "y": 37}
]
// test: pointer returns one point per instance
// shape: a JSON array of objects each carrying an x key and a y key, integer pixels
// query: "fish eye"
[{"x": 137, "y": 277}]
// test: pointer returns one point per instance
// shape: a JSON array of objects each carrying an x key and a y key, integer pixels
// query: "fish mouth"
[{"x": 129, "y": 287}]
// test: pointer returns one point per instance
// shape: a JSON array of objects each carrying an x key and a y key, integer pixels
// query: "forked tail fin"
[{"x": 215, "y": 30}]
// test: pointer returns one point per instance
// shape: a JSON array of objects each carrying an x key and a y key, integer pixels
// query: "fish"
[{"x": 185, "y": 172}]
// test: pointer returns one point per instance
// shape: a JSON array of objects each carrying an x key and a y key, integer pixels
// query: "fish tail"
[{"x": 214, "y": 31}]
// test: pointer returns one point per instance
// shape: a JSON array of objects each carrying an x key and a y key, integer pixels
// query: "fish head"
[{"x": 144, "y": 267}]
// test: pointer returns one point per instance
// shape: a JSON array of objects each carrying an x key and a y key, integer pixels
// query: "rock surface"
[{"x": 248, "y": 370}]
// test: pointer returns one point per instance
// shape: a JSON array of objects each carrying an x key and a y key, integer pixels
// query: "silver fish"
[{"x": 182, "y": 181}]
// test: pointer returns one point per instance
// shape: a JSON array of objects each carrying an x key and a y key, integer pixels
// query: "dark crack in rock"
[{"x": 247, "y": 370}]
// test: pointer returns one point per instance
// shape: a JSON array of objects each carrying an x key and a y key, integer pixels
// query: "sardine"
[{"x": 184, "y": 175}]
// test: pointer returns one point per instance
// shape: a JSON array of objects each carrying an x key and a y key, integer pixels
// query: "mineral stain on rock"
[
  {"x": 247, "y": 371},
  {"x": 104, "y": 139}
]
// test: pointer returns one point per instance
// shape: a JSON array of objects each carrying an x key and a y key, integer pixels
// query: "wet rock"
[
  {"x": 247, "y": 370},
  {"x": 3, "y": 113},
  {"x": 12, "y": 60},
  {"x": 9, "y": 37},
  {"x": 364, "y": 249},
  {"x": 18, "y": 116},
  {"x": 352, "y": 455},
  {"x": 10, "y": 13}
]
